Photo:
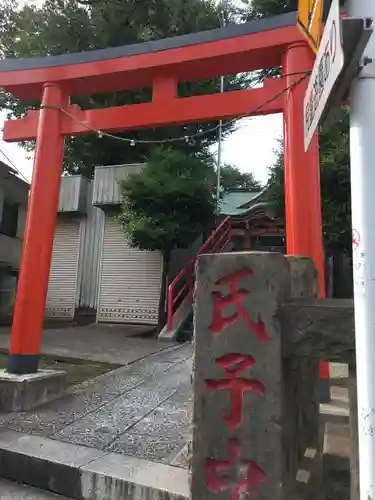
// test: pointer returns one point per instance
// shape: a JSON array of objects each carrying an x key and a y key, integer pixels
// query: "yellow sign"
[{"x": 310, "y": 14}]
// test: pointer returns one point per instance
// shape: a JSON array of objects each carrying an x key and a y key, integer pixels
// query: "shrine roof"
[
  {"x": 236, "y": 48},
  {"x": 238, "y": 202},
  {"x": 230, "y": 31}
]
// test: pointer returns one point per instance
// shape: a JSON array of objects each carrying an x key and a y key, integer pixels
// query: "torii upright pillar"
[
  {"x": 303, "y": 212},
  {"x": 302, "y": 173},
  {"x": 38, "y": 242}
]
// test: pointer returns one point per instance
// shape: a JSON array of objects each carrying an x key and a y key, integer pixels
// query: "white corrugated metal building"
[
  {"x": 129, "y": 279},
  {"x": 93, "y": 266},
  {"x": 76, "y": 251}
]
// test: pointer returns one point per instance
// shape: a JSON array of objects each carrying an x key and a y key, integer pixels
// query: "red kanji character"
[
  {"x": 248, "y": 475},
  {"x": 219, "y": 322},
  {"x": 234, "y": 365}
]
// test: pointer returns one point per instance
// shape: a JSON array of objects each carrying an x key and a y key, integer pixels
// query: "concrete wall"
[
  {"x": 22, "y": 213},
  {"x": 10, "y": 251},
  {"x": 16, "y": 191},
  {"x": 181, "y": 256},
  {"x": 2, "y": 194}
]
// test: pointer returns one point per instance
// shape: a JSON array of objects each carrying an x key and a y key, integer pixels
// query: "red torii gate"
[{"x": 160, "y": 64}]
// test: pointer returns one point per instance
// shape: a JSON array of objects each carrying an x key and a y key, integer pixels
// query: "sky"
[{"x": 251, "y": 147}]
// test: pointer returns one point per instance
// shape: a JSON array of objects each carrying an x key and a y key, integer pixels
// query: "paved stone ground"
[
  {"x": 138, "y": 410},
  {"x": 142, "y": 410},
  {"x": 13, "y": 491},
  {"x": 106, "y": 343}
]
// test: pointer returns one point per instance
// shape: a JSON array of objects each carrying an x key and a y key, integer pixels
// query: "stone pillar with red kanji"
[{"x": 239, "y": 446}]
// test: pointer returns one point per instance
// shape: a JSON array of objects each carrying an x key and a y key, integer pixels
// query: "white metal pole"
[
  {"x": 362, "y": 159},
  {"x": 219, "y": 150}
]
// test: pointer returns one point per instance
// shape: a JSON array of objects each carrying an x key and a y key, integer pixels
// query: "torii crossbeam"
[{"x": 159, "y": 65}]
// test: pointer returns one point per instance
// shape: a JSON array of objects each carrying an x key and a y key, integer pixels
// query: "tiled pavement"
[
  {"x": 139, "y": 410},
  {"x": 116, "y": 344},
  {"x": 142, "y": 411}
]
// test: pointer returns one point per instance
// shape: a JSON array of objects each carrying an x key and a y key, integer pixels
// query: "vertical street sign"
[
  {"x": 310, "y": 17},
  {"x": 328, "y": 66}
]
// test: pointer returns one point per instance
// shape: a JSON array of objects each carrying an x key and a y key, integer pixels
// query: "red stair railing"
[{"x": 183, "y": 285}]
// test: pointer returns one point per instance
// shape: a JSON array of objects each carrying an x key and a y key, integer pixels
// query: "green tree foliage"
[
  {"x": 256, "y": 9},
  {"x": 64, "y": 26},
  {"x": 335, "y": 182},
  {"x": 264, "y": 8},
  {"x": 232, "y": 178},
  {"x": 169, "y": 203}
]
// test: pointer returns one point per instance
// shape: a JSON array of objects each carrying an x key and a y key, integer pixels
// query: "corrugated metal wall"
[
  {"x": 62, "y": 283},
  {"x": 130, "y": 280},
  {"x": 90, "y": 254},
  {"x": 73, "y": 194},
  {"x": 107, "y": 183}
]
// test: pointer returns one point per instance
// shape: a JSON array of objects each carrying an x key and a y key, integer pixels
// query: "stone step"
[
  {"x": 337, "y": 441},
  {"x": 336, "y": 450},
  {"x": 83, "y": 473},
  {"x": 336, "y": 462}
]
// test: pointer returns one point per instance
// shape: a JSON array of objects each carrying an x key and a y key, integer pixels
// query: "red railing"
[{"x": 182, "y": 286}]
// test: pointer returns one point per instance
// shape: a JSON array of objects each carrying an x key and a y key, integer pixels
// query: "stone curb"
[
  {"x": 83, "y": 473},
  {"x": 179, "y": 318},
  {"x": 15, "y": 491}
]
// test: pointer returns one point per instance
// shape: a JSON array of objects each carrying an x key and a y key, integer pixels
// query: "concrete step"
[
  {"x": 336, "y": 462},
  {"x": 83, "y": 473},
  {"x": 14, "y": 491},
  {"x": 336, "y": 450}
]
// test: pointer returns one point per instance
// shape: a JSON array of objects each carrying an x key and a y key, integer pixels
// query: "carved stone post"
[
  {"x": 301, "y": 411},
  {"x": 239, "y": 444}
]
